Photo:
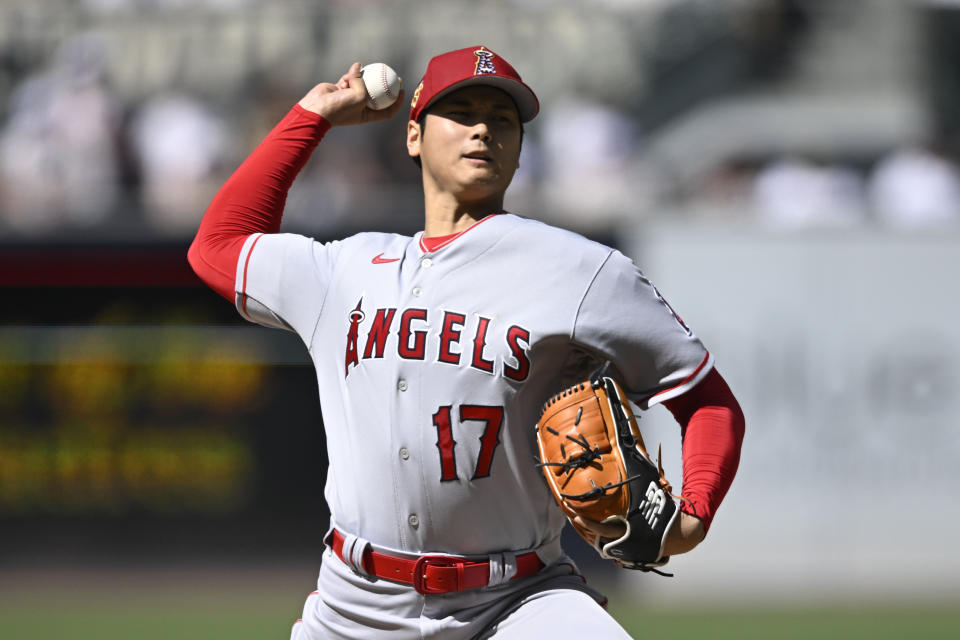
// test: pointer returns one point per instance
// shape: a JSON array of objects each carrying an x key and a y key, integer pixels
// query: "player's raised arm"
[
  {"x": 252, "y": 199},
  {"x": 345, "y": 103}
]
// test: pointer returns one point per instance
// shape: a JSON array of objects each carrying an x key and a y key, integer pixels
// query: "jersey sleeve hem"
[
  {"x": 261, "y": 314},
  {"x": 705, "y": 366},
  {"x": 243, "y": 263}
]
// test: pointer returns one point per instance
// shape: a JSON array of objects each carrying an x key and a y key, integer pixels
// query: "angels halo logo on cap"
[
  {"x": 472, "y": 66},
  {"x": 484, "y": 62}
]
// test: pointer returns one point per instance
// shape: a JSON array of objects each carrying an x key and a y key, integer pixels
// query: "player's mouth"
[{"x": 479, "y": 158}]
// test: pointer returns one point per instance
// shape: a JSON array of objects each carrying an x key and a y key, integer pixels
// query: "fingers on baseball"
[{"x": 352, "y": 74}]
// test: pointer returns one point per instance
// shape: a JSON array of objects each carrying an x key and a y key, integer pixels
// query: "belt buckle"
[{"x": 420, "y": 573}]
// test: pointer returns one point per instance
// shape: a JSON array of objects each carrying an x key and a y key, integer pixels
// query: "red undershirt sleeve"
[
  {"x": 252, "y": 199},
  {"x": 713, "y": 427}
]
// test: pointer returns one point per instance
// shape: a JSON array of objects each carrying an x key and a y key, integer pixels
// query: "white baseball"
[{"x": 383, "y": 85}]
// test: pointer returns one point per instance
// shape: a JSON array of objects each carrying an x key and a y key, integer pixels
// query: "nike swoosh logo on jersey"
[{"x": 381, "y": 260}]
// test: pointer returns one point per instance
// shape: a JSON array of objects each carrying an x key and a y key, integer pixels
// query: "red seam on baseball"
[{"x": 383, "y": 79}]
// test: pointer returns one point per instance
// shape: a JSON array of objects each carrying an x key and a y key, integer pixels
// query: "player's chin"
[
  {"x": 475, "y": 167},
  {"x": 482, "y": 187},
  {"x": 481, "y": 178}
]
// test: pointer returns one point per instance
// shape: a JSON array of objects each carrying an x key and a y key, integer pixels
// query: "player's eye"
[{"x": 456, "y": 114}]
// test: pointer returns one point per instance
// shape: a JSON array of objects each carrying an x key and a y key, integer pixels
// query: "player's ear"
[{"x": 413, "y": 138}]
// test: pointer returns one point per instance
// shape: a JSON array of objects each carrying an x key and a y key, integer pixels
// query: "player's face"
[{"x": 470, "y": 143}]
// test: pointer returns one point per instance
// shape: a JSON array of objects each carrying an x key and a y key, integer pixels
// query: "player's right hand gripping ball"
[
  {"x": 382, "y": 83},
  {"x": 596, "y": 465}
]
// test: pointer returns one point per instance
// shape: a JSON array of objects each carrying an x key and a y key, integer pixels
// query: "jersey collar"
[{"x": 434, "y": 245}]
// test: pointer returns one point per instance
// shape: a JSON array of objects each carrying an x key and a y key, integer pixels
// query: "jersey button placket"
[
  {"x": 425, "y": 263},
  {"x": 404, "y": 455}
]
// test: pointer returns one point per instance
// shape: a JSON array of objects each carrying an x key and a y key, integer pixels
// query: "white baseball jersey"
[{"x": 433, "y": 366}]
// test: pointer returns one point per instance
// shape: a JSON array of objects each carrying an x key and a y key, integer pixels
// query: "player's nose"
[{"x": 480, "y": 131}]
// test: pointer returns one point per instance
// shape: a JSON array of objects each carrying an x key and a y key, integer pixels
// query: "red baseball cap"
[{"x": 472, "y": 66}]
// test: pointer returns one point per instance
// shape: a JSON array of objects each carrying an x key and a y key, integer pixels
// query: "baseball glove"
[{"x": 596, "y": 465}]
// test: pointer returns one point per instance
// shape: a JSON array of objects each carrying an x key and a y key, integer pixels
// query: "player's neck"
[{"x": 444, "y": 214}]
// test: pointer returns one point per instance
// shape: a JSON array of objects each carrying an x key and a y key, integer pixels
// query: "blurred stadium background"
[{"x": 785, "y": 170}]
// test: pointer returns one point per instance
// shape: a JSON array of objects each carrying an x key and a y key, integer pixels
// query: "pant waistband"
[{"x": 434, "y": 574}]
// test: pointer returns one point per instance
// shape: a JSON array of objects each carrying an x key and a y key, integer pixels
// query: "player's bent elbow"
[
  {"x": 193, "y": 257},
  {"x": 197, "y": 263},
  {"x": 206, "y": 270}
]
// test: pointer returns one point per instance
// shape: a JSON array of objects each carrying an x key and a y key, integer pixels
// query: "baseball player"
[{"x": 434, "y": 354}]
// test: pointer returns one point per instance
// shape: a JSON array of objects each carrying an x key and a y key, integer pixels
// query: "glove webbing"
[{"x": 588, "y": 456}]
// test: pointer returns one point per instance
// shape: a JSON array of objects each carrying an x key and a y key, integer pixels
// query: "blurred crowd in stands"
[{"x": 86, "y": 153}]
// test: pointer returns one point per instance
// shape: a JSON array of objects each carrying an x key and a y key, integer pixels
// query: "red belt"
[{"x": 435, "y": 574}]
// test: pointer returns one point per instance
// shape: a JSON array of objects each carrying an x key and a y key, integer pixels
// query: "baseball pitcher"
[{"x": 437, "y": 356}]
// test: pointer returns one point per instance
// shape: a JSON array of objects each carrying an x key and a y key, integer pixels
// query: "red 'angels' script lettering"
[
  {"x": 514, "y": 335},
  {"x": 377, "y": 338},
  {"x": 415, "y": 335},
  {"x": 404, "y": 349},
  {"x": 356, "y": 317},
  {"x": 450, "y": 335},
  {"x": 479, "y": 342}
]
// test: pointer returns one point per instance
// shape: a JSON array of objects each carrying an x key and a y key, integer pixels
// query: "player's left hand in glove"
[{"x": 598, "y": 469}]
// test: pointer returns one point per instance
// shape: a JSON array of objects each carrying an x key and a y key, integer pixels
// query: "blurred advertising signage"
[{"x": 110, "y": 420}]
